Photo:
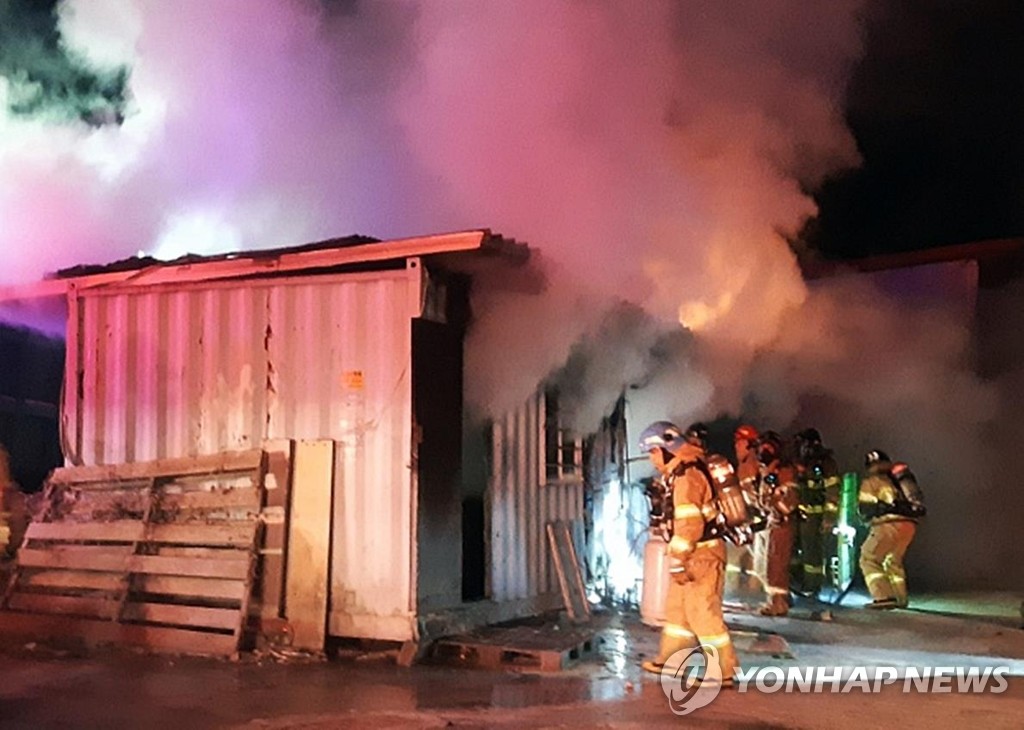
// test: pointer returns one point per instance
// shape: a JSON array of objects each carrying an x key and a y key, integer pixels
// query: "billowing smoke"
[
  {"x": 653, "y": 151},
  {"x": 657, "y": 153}
]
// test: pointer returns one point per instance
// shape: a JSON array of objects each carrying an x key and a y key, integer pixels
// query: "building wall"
[
  {"x": 520, "y": 503},
  {"x": 204, "y": 368}
]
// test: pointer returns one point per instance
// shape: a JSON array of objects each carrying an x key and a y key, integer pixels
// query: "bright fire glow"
[
  {"x": 614, "y": 515},
  {"x": 198, "y": 232},
  {"x": 698, "y": 315}
]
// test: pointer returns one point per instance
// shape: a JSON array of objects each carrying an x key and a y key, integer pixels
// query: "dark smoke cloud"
[{"x": 47, "y": 80}]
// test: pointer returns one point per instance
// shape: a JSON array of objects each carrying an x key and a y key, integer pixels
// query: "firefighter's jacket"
[
  {"x": 819, "y": 488},
  {"x": 877, "y": 492},
  {"x": 693, "y": 504},
  {"x": 779, "y": 490},
  {"x": 748, "y": 471}
]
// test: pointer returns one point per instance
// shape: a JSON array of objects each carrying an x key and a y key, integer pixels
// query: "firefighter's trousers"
[
  {"x": 693, "y": 609},
  {"x": 812, "y": 553},
  {"x": 881, "y": 559},
  {"x": 774, "y": 550},
  {"x": 740, "y": 576}
]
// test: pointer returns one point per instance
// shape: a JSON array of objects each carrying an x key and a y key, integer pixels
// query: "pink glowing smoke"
[{"x": 652, "y": 150}]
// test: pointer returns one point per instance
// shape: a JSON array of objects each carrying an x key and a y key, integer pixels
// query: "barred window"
[{"x": 563, "y": 450}]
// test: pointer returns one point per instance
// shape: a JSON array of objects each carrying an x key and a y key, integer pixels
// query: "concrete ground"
[{"x": 42, "y": 687}]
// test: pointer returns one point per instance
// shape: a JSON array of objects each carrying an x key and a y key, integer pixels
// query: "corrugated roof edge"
[
  {"x": 294, "y": 259},
  {"x": 134, "y": 263}
]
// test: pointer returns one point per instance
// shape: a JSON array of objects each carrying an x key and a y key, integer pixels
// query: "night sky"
[{"x": 937, "y": 108}]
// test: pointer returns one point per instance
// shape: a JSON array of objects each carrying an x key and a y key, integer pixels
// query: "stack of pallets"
[{"x": 160, "y": 555}]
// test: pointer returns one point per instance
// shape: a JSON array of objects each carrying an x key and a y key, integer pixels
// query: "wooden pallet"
[
  {"x": 159, "y": 555},
  {"x": 519, "y": 648}
]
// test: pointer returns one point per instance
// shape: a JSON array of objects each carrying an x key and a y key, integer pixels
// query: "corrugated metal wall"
[
  {"x": 521, "y": 504},
  {"x": 214, "y": 367},
  {"x": 204, "y": 368}
]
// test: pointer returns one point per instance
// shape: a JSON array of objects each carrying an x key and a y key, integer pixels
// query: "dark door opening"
[
  {"x": 474, "y": 562},
  {"x": 437, "y": 408}
]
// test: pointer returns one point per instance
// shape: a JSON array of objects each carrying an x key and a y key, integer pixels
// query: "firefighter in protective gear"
[
  {"x": 693, "y": 609},
  {"x": 881, "y": 555},
  {"x": 747, "y": 466},
  {"x": 819, "y": 482},
  {"x": 774, "y": 547},
  {"x": 13, "y": 514},
  {"x": 740, "y": 574}
]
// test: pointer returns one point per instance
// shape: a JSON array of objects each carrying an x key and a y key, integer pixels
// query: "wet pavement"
[{"x": 41, "y": 687}]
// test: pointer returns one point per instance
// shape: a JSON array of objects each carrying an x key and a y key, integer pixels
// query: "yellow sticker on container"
[{"x": 353, "y": 380}]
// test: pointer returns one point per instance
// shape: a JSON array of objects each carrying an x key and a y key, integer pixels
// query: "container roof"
[{"x": 452, "y": 249}]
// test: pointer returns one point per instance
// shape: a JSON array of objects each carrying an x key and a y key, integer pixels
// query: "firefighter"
[
  {"x": 739, "y": 567},
  {"x": 818, "y": 479},
  {"x": 881, "y": 555},
  {"x": 779, "y": 495},
  {"x": 693, "y": 609},
  {"x": 13, "y": 517},
  {"x": 747, "y": 466}
]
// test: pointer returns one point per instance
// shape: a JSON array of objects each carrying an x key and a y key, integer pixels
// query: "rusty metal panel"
[
  {"x": 202, "y": 368},
  {"x": 167, "y": 373},
  {"x": 521, "y": 504}
]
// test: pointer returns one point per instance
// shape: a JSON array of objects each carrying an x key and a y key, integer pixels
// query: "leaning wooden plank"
[
  {"x": 96, "y": 633},
  {"x": 73, "y": 579},
  {"x": 309, "y": 544},
  {"x": 571, "y": 584},
  {"x": 203, "y": 588},
  {"x": 225, "y": 462},
  {"x": 231, "y": 535},
  {"x": 117, "y": 531},
  {"x": 65, "y": 605},
  {"x": 153, "y": 564},
  {"x": 162, "y": 613}
]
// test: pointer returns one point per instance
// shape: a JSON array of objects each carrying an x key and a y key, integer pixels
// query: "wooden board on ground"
[
  {"x": 567, "y": 566},
  {"x": 519, "y": 648},
  {"x": 159, "y": 555}
]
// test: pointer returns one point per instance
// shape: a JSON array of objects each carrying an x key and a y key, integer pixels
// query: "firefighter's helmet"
[
  {"x": 809, "y": 436},
  {"x": 769, "y": 447},
  {"x": 661, "y": 434},
  {"x": 876, "y": 457},
  {"x": 697, "y": 434},
  {"x": 745, "y": 432}
]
